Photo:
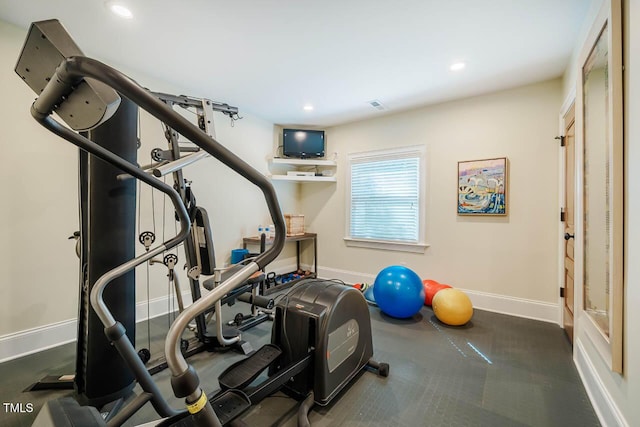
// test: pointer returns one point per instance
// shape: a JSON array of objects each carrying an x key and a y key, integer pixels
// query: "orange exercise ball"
[
  {"x": 431, "y": 287},
  {"x": 452, "y": 307}
]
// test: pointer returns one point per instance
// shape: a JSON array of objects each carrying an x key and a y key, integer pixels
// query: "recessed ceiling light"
[
  {"x": 308, "y": 107},
  {"x": 377, "y": 104},
  {"x": 119, "y": 8},
  {"x": 457, "y": 66}
]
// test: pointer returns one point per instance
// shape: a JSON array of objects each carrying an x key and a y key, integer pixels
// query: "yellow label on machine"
[{"x": 197, "y": 406}]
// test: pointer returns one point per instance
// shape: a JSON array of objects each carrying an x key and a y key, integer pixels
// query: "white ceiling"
[{"x": 270, "y": 57}]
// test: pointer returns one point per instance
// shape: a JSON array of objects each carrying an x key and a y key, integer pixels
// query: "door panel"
[{"x": 569, "y": 209}]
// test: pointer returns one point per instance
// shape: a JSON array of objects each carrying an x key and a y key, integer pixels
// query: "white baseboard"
[
  {"x": 345, "y": 275},
  {"x": 34, "y": 340},
  {"x": 160, "y": 306},
  {"x": 520, "y": 307},
  {"x": 37, "y": 339},
  {"x": 23, "y": 343},
  {"x": 607, "y": 411},
  {"x": 41, "y": 338}
]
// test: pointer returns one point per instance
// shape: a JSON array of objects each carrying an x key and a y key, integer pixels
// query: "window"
[{"x": 386, "y": 199}]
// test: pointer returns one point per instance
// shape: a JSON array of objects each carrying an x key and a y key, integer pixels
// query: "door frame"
[{"x": 569, "y": 102}]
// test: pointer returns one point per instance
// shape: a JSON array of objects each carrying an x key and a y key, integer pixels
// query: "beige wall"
[
  {"x": 514, "y": 256},
  {"x": 572, "y": 71},
  {"x": 38, "y": 266}
]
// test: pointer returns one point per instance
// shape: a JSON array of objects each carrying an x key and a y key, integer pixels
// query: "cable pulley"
[
  {"x": 147, "y": 238},
  {"x": 170, "y": 260}
]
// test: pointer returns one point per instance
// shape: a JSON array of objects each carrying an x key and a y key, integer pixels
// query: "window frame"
[{"x": 419, "y": 151}]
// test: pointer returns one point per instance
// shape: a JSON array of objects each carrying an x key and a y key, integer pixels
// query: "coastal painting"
[{"x": 482, "y": 187}]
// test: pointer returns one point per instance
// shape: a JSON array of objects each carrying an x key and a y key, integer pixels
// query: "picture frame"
[{"x": 483, "y": 187}]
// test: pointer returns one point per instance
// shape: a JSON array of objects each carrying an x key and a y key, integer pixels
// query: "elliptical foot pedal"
[
  {"x": 53, "y": 382},
  {"x": 242, "y": 373},
  {"x": 229, "y": 405}
]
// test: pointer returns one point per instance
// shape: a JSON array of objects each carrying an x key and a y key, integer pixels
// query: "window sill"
[{"x": 387, "y": 245}]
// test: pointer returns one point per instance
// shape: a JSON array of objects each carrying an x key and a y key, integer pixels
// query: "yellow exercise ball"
[{"x": 452, "y": 307}]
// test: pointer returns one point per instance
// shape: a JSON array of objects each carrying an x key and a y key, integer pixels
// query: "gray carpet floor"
[{"x": 497, "y": 370}]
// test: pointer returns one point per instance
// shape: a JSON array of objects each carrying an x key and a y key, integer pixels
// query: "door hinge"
[
  {"x": 561, "y": 292},
  {"x": 562, "y": 215},
  {"x": 561, "y": 138}
]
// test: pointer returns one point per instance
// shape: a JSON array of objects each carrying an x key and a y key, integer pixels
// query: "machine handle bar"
[
  {"x": 122, "y": 343},
  {"x": 67, "y": 76}
]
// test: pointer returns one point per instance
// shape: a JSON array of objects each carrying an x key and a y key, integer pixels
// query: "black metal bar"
[
  {"x": 252, "y": 320},
  {"x": 128, "y": 352},
  {"x": 258, "y": 300},
  {"x": 277, "y": 380},
  {"x": 188, "y": 149},
  {"x": 315, "y": 254},
  {"x": 128, "y": 411},
  {"x": 187, "y": 101}
]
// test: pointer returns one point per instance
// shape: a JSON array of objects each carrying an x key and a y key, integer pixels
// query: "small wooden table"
[{"x": 247, "y": 241}]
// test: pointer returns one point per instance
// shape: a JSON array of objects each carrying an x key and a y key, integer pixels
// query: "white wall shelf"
[
  {"x": 304, "y": 178},
  {"x": 303, "y": 162},
  {"x": 280, "y": 166}
]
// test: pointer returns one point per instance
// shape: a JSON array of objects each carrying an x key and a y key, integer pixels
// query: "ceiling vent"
[{"x": 377, "y": 105}]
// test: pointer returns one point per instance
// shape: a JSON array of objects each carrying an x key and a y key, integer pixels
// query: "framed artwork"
[{"x": 482, "y": 187}]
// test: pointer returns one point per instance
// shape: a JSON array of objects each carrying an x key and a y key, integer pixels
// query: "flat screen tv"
[{"x": 303, "y": 144}]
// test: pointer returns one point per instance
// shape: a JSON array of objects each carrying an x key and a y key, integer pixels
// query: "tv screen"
[{"x": 302, "y": 143}]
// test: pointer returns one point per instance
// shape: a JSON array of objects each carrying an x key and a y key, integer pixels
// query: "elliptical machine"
[{"x": 321, "y": 337}]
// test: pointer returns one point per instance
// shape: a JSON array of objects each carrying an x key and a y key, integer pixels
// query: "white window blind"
[{"x": 386, "y": 196}]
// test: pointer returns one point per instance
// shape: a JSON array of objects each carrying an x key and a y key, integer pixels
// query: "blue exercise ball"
[{"x": 398, "y": 291}]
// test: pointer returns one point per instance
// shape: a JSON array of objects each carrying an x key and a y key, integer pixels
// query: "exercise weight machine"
[
  {"x": 321, "y": 338},
  {"x": 199, "y": 248}
]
